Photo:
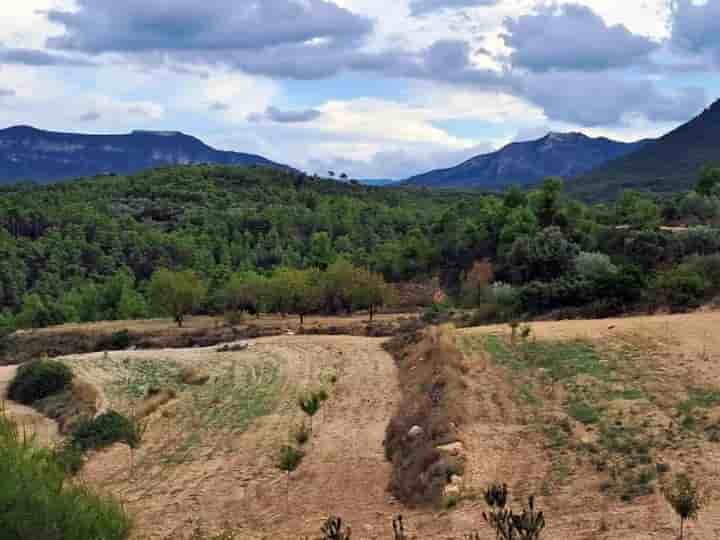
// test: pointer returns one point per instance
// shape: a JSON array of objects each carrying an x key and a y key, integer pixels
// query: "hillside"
[
  {"x": 27, "y": 153},
  {"x": 584, "y": 415},
  {"x": 668, "y": 165},
  {"x": 556, "y": 154}
]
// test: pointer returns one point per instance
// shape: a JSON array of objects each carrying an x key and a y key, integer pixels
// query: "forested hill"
[
  {"x": 91, "y": 249},
  {"x": 27, "y": 153},
  {"x": 668, "y": 165}
]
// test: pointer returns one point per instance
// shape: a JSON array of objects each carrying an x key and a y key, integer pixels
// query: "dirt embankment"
[{"x": 23, "y": 346}]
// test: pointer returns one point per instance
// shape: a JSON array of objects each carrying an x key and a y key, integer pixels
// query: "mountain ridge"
[
  {"x": 30, "y": 153},
  {"x": 669, "y": 164},
  {"x": 526, "y": 162}
]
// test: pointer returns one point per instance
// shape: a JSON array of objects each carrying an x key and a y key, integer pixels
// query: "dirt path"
[{"x": 29, "y": 420}]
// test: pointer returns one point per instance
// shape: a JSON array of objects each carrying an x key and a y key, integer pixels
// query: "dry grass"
[
  {"x": 194, "y": 376},
  {"x": 153, "y": 402}
]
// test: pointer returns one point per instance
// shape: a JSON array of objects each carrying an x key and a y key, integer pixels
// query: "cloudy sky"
[{"x": 375, "y": 88}]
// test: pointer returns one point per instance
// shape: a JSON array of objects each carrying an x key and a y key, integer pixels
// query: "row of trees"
[{"x": 341, "y": 288}]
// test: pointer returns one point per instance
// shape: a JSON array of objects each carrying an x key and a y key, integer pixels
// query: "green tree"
[
  {"x": 176, "y": 294},
  {"x": 296, "y": 291},
  {"x": 709, "y": 179},
  {"x": 369, "y": 291},
  {"x": 686, "y": 497}
]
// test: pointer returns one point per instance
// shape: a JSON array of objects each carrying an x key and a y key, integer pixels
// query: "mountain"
[
  {"x": 669, "y": 164},
  {"x": 556, "y": 154},
  {"x": 27, "y": 153}
]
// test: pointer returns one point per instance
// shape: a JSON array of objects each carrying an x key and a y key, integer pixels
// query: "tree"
[
  {"x": 369, "y": 291},
  {"x": 296, "y": 291},
  {"x": 686, "y": 497},
  {"x": 176, "y": 294},
  {"x": 709, "y": 179},
  {"x": 246, "y": 291}
]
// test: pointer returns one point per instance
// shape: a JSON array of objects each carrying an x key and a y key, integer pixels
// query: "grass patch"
[
  {"x": 144, "y": 374},
  {"x": 699, "y": 398},
  {"x": 584, "y": 412},
  {"x": 560, "y": 360},
  {"x": 37, "y": 503}
]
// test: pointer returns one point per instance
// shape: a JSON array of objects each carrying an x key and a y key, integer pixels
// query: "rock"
[
  {"x": 234, "y": 347},
  {"x": 451, "y": 490},
  {"x": 456, "y": 480},
  {"x": 453, "y": 449},
  {"x": 416, "y": 431}
]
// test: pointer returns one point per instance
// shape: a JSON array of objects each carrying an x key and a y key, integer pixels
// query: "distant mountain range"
[
  {"x": 556, "y": 154},
  {"x": 671, "y": 163},
  {"x": 27, "y": 153}
]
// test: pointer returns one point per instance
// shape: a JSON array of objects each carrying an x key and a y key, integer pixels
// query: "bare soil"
[{"x": 208, "y": 460}]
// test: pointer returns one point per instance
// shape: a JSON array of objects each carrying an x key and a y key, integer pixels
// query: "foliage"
[
  {"x": 37, "y": 380},
  {"x": 105, "y": 430},
  {"x": 290, "y": 458},
  {"x": 37, "y": 503},
  {"x": 508, "y": 525},
  {"x": 127, "y": 247},
  {"x": 686, "y": 496},
  {"x": 176, "y": 293}
]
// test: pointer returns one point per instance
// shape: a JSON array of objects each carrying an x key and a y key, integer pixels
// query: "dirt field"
[{"x": 582, "y": 413}]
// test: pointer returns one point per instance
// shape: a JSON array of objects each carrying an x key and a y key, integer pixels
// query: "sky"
[{"x": 373, "y": 88}]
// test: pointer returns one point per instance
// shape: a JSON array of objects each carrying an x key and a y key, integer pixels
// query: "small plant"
[
  {"x": 117, "y": 341},
  {"x": 686, "y": 497},
  {"x": 333, "y": 529},
  {"x": 310, "y": 405},
  {"x": 37, "y": 380},
  {"x": 69, "y": 457},
  {"x": 290, "y": 458},
  {"x": 507, "y": 525}
]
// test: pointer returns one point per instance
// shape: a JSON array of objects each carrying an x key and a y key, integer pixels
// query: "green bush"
[
  {"x": 36, "y": 502},
  {"x": 117, "y": 341},
  {"x": 290, "y": 458},
  {"x": 679, "y": 288},
  {"x": 37, "y": 380},
  {"x": 105, "y": 430}
]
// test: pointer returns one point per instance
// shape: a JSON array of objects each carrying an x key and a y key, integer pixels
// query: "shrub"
[
  {"x": 106, "y": 430},
  {"x": 117, "y": 341},
  {"x": 686, "y": 497},
  {"x": 37, "y": 503},
  {"x": 679, "y": 288},
  {"x": 290, "y": 458},
  {"x": 37, "y": 380},
  {"x": 594, "y": 266}
]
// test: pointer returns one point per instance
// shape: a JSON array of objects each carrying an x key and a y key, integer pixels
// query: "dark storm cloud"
[
  {"x": 210, "y": 25},
  {"x": 423, "y": 7},
  {"x": 274, "y": 114},
  {"x": 696, "y": 28},
  {"x": 572, "y": 38}
]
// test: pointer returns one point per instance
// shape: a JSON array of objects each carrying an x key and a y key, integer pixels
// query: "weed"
[
  {"x": 302, "y": 434},
  {"x": 584, "y": 412},
  {"x": 290, "y": 458}
]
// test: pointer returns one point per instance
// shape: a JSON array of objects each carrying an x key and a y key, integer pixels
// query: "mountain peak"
[{"x": 556, "y": 154}]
